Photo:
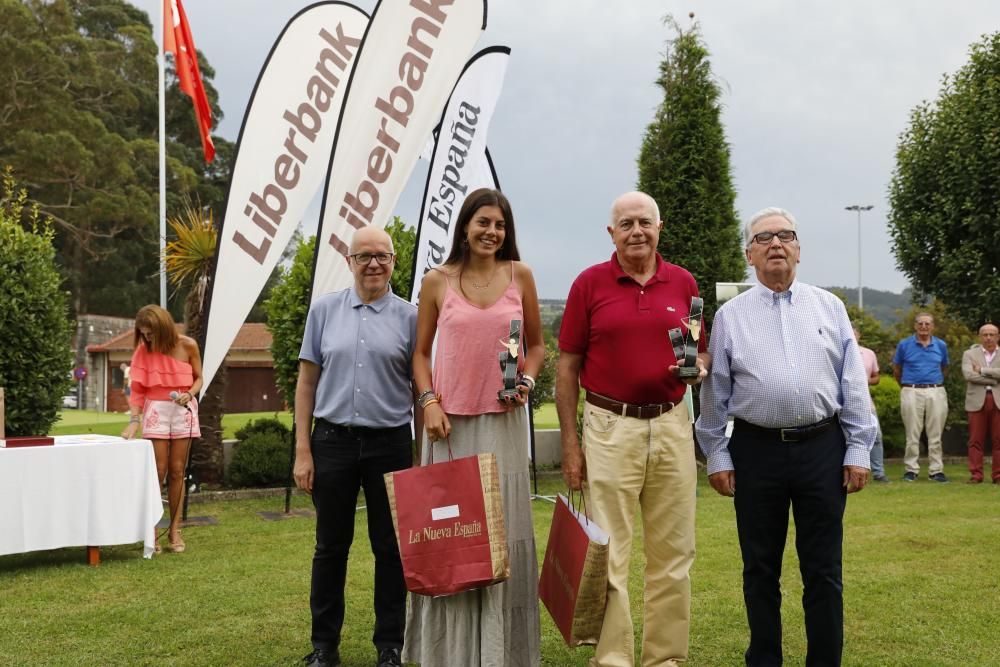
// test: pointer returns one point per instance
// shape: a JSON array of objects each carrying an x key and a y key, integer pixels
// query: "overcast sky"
[{"x": 815, "y": 95}]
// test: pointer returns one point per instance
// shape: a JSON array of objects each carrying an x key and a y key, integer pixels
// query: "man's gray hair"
[{"x": 766, "y": 213}]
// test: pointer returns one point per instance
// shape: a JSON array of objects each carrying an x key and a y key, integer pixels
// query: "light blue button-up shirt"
[
  {"x": 782, "y": 360},
  {"x": 364, "y": 351}
]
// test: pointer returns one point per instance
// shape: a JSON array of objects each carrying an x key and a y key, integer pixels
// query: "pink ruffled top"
[
  {"x": 154, "y": 375},
  {"x": 467, "y": 370}
]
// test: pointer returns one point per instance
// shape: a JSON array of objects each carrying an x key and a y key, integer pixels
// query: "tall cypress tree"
[{"x": 684, "y": 166}]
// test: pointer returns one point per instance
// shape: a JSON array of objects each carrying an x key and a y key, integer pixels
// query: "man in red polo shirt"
[{"x": 638, "y": 449}]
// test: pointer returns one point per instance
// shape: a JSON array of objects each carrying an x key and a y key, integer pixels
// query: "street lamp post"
[{"x": 859, "y": 208}]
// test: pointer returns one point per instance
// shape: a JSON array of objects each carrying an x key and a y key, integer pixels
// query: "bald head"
[
  {"x": 371, "y": 261},
  {"x": 634, "y": 199},
  {"x": 635, "y": 231},
  {"x": 370, "y": 235},
  {"x": 988, "y": 337}
]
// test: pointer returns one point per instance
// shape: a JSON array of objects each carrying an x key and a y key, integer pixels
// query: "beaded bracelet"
[{"x": 425, "y": 397}]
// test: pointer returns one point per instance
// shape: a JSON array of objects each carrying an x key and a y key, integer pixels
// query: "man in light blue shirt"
[
  {"x": 786, "y": 368},
  {"x": 919, "y": 366},
  {"x": 355, "y": 379}
]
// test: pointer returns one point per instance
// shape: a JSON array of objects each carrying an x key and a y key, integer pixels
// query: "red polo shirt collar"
[{"x": 661, "y": 275}]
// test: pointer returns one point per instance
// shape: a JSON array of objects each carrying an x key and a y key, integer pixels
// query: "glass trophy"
[
  {"x": 686, "y": 345},
  {"x": 508, "y": 362}
]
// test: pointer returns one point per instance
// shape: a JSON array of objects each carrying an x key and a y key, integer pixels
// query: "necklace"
[{"x": 482, "y": 286}]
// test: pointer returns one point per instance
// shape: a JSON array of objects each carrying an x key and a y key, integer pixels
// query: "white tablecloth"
[{"x": 83, "y": 491}]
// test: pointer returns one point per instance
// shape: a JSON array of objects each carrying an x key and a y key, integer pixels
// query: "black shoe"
[
  {"x": 389, "y": 657},
  {"x": 322, "y": 657},
  {"x": 882, "y": 479},
  {"x": 939, "y": 477},
  {"x": 910, "y": 477}
]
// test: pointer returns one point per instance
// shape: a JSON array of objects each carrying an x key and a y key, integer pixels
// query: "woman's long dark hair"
[{"x": 476, "y": 200}]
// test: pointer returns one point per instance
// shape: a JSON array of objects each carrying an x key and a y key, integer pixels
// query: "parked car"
[{"x": 69, "y": 401}]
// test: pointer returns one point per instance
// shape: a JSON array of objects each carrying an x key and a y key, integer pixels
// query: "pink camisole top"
[
  {"x": 154, "y": 375},
  {"x": 467, "y": 370}
]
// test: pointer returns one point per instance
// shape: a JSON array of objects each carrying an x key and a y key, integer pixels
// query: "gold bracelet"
[{"x": 430, "y": 401}]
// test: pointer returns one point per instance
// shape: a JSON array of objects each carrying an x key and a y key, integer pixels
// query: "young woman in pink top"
[
  {"x": 468, "y": 304},
  {"x": 165, "y": 376}
]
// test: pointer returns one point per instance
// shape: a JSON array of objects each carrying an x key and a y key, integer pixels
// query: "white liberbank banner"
[
  {"x": 412, "y": 55},
  {"x": 460, "y": 162},
  {"x": 282, "y": 156}
]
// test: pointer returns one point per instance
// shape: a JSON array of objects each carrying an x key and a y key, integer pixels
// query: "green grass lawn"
[
  {"x": 112, "y": 423},
  {"x": 919, "y": 569},
  {"x": 546, "y": 416}
]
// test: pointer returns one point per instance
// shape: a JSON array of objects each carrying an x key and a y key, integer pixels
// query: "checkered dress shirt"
[{"x": 782, "y": 360}]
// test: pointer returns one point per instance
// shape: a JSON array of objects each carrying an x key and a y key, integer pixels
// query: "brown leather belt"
[
  {"x": 648, "y": 411},
  {"x": 921, "y": 386},
  {"x": 794, "y": 434}
]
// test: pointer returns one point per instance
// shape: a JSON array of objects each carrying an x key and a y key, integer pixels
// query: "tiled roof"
[{"x": 251, "y": 336}]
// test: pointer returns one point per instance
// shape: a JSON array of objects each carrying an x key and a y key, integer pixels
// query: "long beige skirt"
[{"x": 496, "y": 626}]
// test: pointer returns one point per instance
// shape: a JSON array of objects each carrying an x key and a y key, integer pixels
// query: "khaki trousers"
[
  {"x": 922, "y": 409},
  {"x": 645, "y": 464}
]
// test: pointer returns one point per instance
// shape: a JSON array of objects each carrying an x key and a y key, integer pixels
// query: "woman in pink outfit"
[
  {"x": 165, "y": 377},
  {"x": 468, "y": 304}
]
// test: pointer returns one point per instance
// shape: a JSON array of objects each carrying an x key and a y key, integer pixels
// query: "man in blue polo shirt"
[
  {"x": 355, "y": 379},
  {"x": 919, "y": 366}
]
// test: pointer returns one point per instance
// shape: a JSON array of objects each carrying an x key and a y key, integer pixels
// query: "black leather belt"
[
  {"x": 647, "y": 411},
  {"x": 793, "y": 434},
  {"x": 921, "y": 386},
  {"x": 363, "y": 431}
]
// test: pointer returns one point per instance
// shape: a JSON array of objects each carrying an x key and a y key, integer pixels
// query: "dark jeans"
[
  {"x": 345, "y": 461},
  {"x": 770, "y": 476}
]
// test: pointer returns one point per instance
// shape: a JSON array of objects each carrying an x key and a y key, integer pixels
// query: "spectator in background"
[
  {"x": 165, "y": 376},
  {"x": 126, "y": 380},
  {"x": 919, "y": 366},
  {"x": 870, "y": 362},
  {"x": 981, "y": 368}
]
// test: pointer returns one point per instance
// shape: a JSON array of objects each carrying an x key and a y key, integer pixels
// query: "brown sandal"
[{"x": 177, "y": 545}]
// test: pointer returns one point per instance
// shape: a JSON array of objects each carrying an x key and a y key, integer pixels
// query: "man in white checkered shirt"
[{"x": 786, "y": 368}]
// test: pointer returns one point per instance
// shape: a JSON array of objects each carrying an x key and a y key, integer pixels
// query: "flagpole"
[{"x": 161, "y": 60}]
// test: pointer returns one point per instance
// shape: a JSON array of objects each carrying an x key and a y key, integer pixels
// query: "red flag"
[{"x": 177, "y": 40}]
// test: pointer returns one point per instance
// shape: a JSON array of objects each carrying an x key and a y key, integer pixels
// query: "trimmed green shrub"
[
  {"x": 259, "y": 461},
  {"x": 286, "y": 309},
  {"x": 886, "y": 395},
  {"x": 264, "y": 425},
  {"x": 35, "y": 358}
]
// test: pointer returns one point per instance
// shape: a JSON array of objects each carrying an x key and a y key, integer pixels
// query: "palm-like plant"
[{"x": 188, "y": 260}]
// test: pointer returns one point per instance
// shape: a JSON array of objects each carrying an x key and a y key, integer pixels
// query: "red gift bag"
[
  {"x": 574, "y": 580},
  {"x": 449, "y": 524}
]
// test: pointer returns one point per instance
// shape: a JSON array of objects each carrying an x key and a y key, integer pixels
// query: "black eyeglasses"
[
  {"x": 785, "y": 236},
  {"x": 365, "y": 258}
]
